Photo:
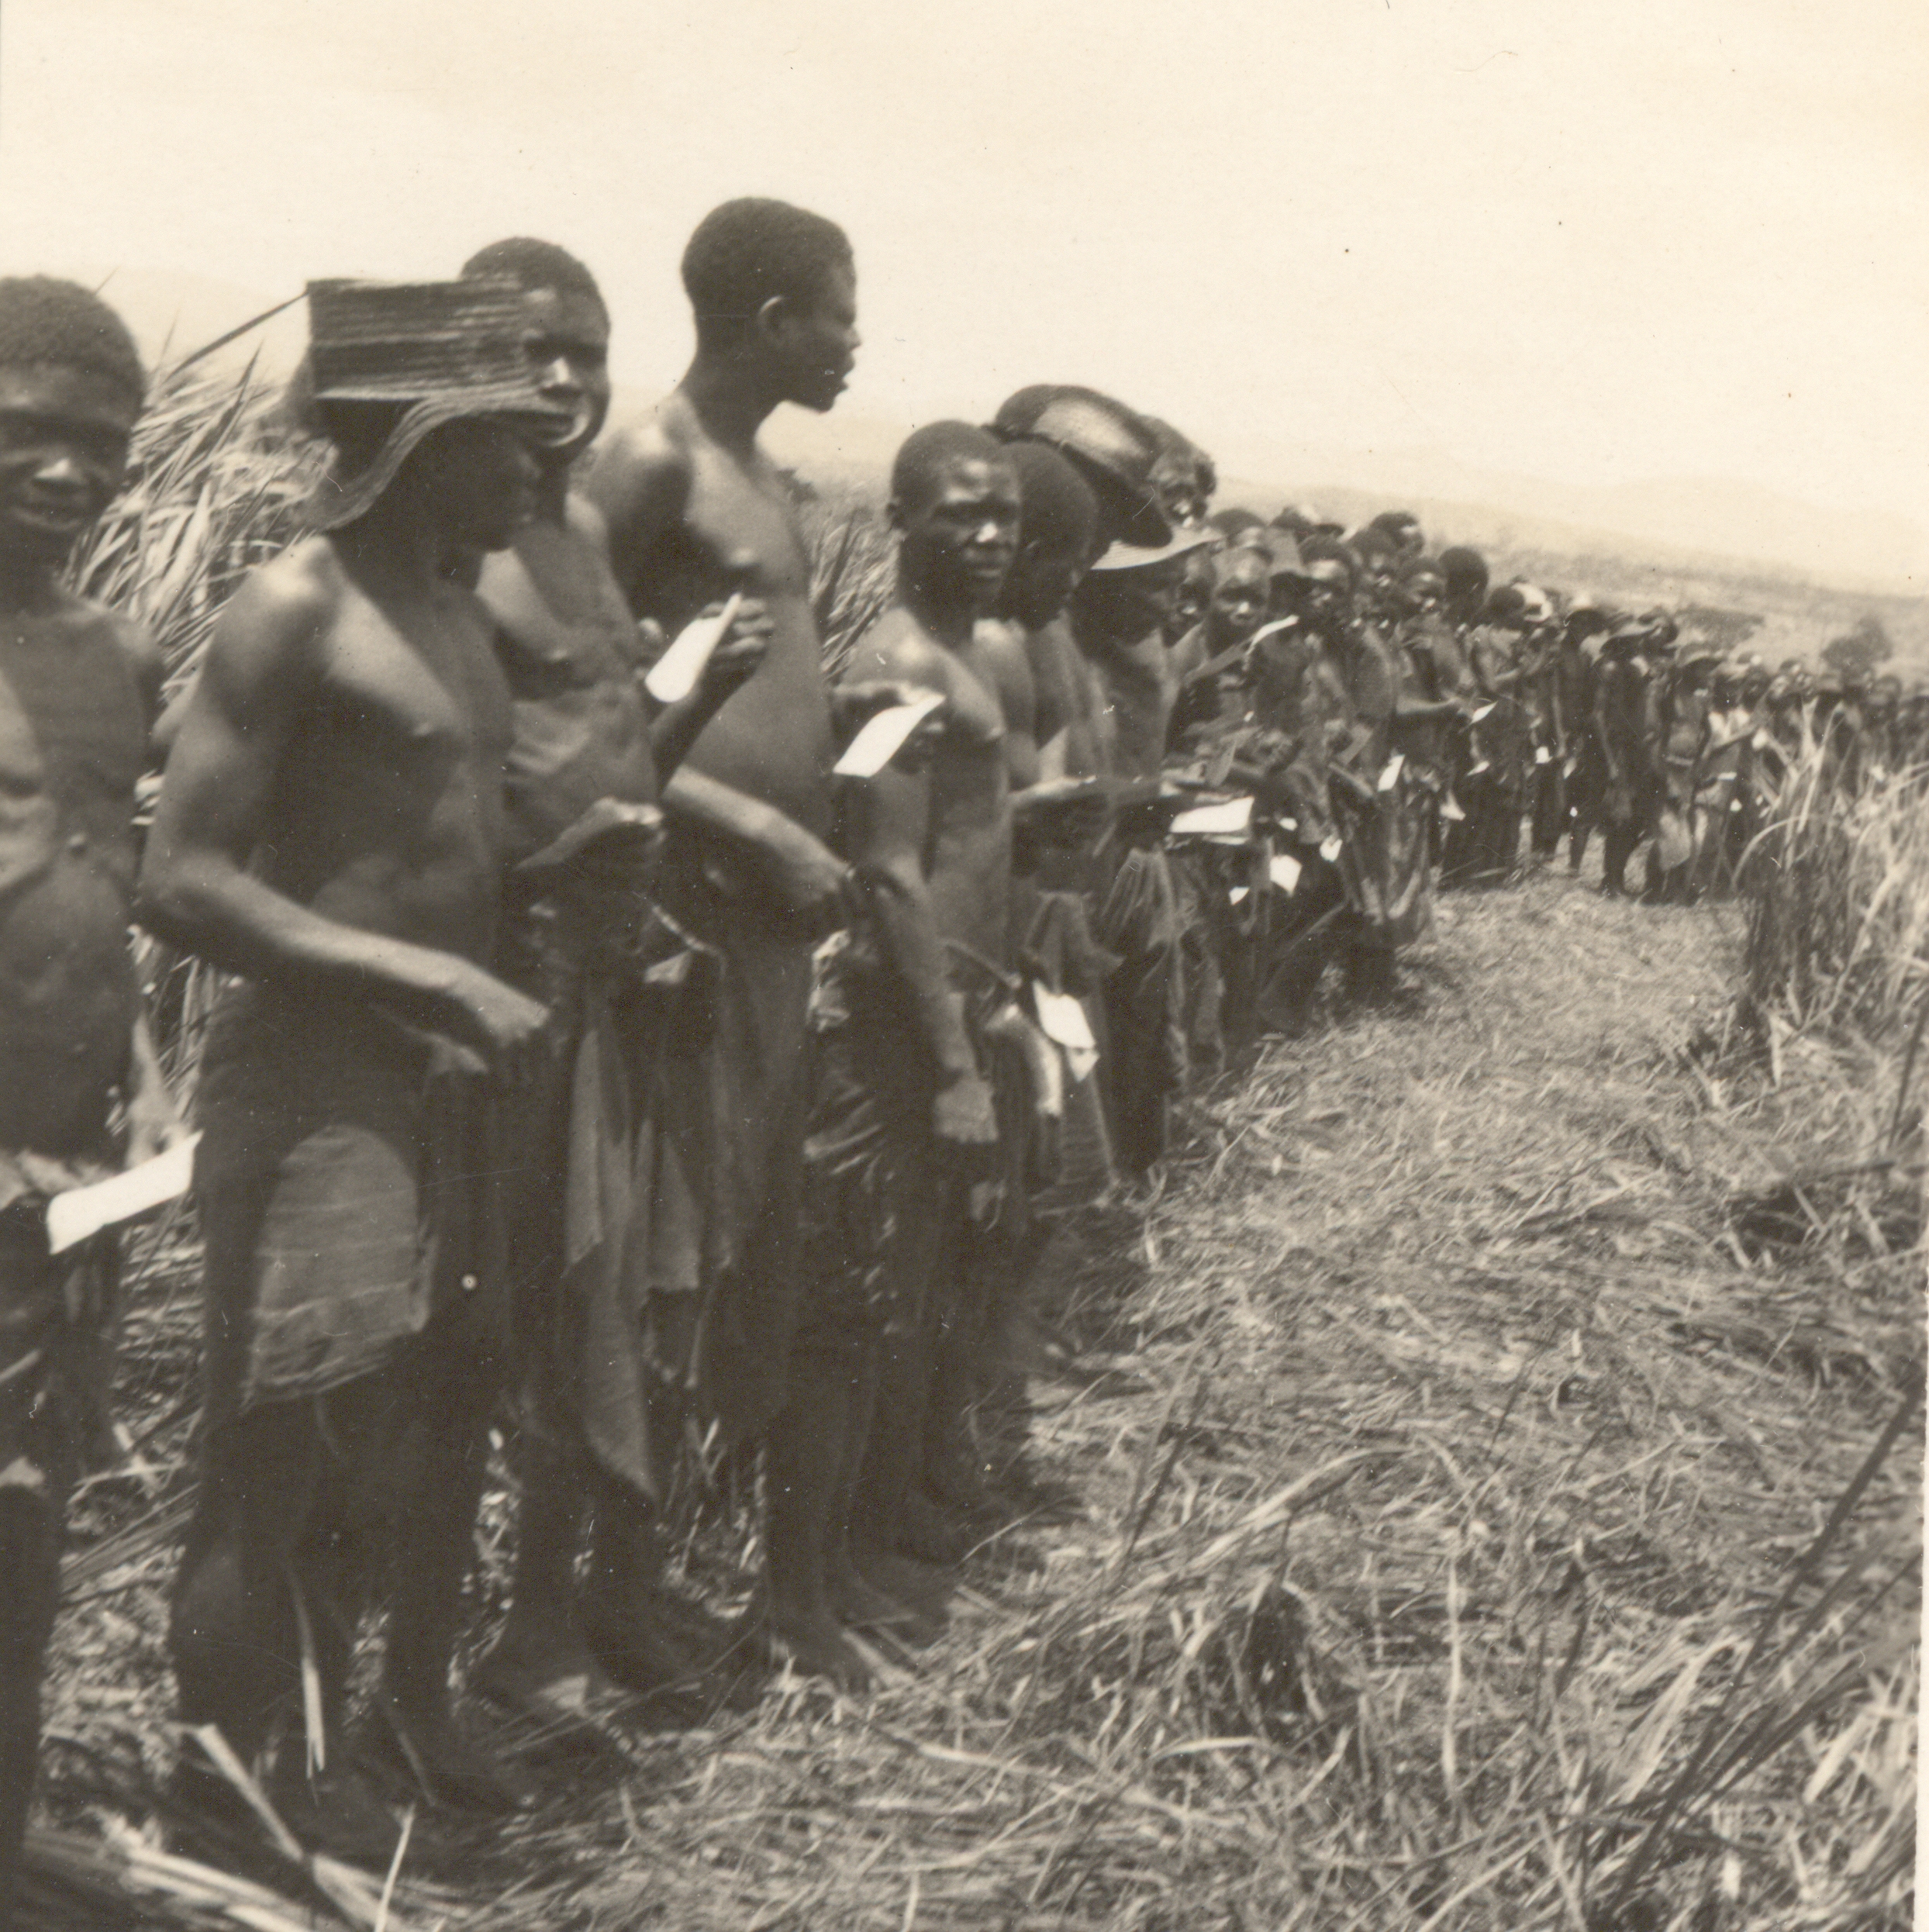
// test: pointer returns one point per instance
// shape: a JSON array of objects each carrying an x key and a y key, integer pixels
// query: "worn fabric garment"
[
  {"x": 737, "y": 1087},
  {"x": 1144, "y": 1045},
  {"x": 603, "y": 1162},
  {"x": 1386, "y": 857},
  {"x": 350, "y": 1180},
  {"x": 892, "y": 1213},
  {"x": 1052, "y": 944}
]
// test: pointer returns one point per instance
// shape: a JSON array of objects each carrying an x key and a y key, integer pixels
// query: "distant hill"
[
  {"x": 1809, "y": 572},
  {"x": 1801, "y": 608}
]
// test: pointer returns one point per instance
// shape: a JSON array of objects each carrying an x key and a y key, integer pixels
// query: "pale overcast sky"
[{"x": 1599, "y": 242}]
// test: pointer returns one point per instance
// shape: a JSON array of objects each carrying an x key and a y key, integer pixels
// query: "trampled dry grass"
[{"x": 1448, "y": 1432}]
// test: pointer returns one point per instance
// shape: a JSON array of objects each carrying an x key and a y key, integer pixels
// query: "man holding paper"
[
  {"x": 921, "y": 1120},
  {"x": 580, "y": 934},
  {"x": 696, "y": 510},
  {"x": 78, "y": 693}
]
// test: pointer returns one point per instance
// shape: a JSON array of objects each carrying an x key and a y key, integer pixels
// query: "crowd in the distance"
[{"x": 628, "y": 1039}]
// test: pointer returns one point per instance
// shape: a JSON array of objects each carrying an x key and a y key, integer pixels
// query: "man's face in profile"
[{"x": 819, "y": 342}]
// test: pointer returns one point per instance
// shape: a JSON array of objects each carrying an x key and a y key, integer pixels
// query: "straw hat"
[{"x": 436, "y": 351}]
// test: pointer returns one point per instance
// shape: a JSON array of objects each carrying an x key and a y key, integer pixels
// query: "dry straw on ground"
[{"x": 1445, "y": 1455}]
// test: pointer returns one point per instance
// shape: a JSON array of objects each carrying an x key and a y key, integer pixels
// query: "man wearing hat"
[
  {"x": 1117, "y": 618},
  {"x": 331, "y": 829}
]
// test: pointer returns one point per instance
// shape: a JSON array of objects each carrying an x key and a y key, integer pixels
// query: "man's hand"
[
  {"x": 1062, "y": 811},
  {"x": 806, "y": 875},
  {"x": 506, "y": 1027},
  {"x": 153, "y": 1123},
  {"x": 740, "y": 651},
  {"x": 962, "y": 1114}
]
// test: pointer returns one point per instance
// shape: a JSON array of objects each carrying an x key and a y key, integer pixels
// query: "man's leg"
[
  {"x": 39, "y": 1462},
  {"x": 435, "y": 1446}
]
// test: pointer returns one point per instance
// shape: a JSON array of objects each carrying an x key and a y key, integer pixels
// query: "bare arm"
[
  {"x": 889, "y": 830},
  {"x": 196, "y": 887},
  {"x": 640, "y": 485}
]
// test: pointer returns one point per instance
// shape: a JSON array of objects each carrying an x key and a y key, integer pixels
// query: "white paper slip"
[
  {"x": 1482, "y": 712},
  {"x": 1542, "y": 755},
  {"x": 1237, "y": 895},
  {"x": 1232, "y": 819},
  {"x": 1390, "y": 771},
  {"x": 1062, "y": 1021},
  {"x": 1329, "y": 850},
  {"x": 673, "y": 676},
  {"x": 1273, "y": 630},
  {"x": 73, "y": 1216},
  {"x": 1450, "y": 810},
  {"x": 883, "y": 737},
  {"x": 1284, "y": 872}
]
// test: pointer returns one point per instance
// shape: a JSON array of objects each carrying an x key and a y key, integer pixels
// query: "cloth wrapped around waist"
[
  {"x": 350, "y": 1178},
  {"x": 881, "y": 1187},
  {"x": 611, "y": 1165}
]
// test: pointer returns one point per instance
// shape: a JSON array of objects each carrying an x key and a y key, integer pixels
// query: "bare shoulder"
[
  {"x": 277, "y": 620},
  {"x": 641, "y": 467},
  {"x": 584, "y": 520},
  {"x": 896, "y": 647}
]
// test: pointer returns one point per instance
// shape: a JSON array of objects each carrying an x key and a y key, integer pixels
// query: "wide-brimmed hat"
[
  {"x": 1140, "y": 556},
  {"x": 1113, "y": 447},
  {"x": 434, "y": 351}
]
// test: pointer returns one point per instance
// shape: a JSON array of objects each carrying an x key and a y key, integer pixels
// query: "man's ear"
[
  {"x": 894, "y": 515},
  {"x": 775, "y": 315}
]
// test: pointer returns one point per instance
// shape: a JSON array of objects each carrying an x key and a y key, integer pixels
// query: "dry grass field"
[
  {"x": 1455, "y": 1441},
  {"x": 1490, "y": 1478}
]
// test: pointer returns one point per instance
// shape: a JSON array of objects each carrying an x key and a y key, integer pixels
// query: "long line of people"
[{"x": 614, "y": 1040}]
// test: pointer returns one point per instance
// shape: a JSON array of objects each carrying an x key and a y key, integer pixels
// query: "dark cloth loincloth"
[
  {"x": 893, "y": 1216},
  {"x": 1143, "y": 1047},
  {"x": 1051, "y": 940},
  {"x": 1386, "y": 857},
  {"x": 349, "y": 1179},
  {"x": 600, "y": 1144}
]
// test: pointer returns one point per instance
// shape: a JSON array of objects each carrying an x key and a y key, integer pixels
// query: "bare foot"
[
  {"x": 642, "y": 1652},
  {"x": 559, "y": 1689},
  {"x": 924, "y": 1585},
  {"x": 929, "y": 1533},
  {"x": 817, "y": 1644},
  {"x": 451, "y": 1767},
  {"x": 861, "y": 1605}
]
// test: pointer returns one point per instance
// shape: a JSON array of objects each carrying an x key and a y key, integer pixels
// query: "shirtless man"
[
  {"x": 1117, "y": 616},
  {"x": 78, "y": 691},
  {"x": 696, "y": 511},
  {"x": 576, "y": 927},
  {"x": 905, "y": 1112},
  {"x": 332, "y": 828}
]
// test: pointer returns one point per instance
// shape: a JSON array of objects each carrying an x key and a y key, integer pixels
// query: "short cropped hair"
[
  {"x": 530, "y": 264},
  {"x": 748, "y": 251},
  {"x": 926, "y": 453},
  {"x": 45, "y": 320}
]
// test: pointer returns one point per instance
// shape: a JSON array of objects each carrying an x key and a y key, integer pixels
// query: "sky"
[{"x": 1637, "y": 239}]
